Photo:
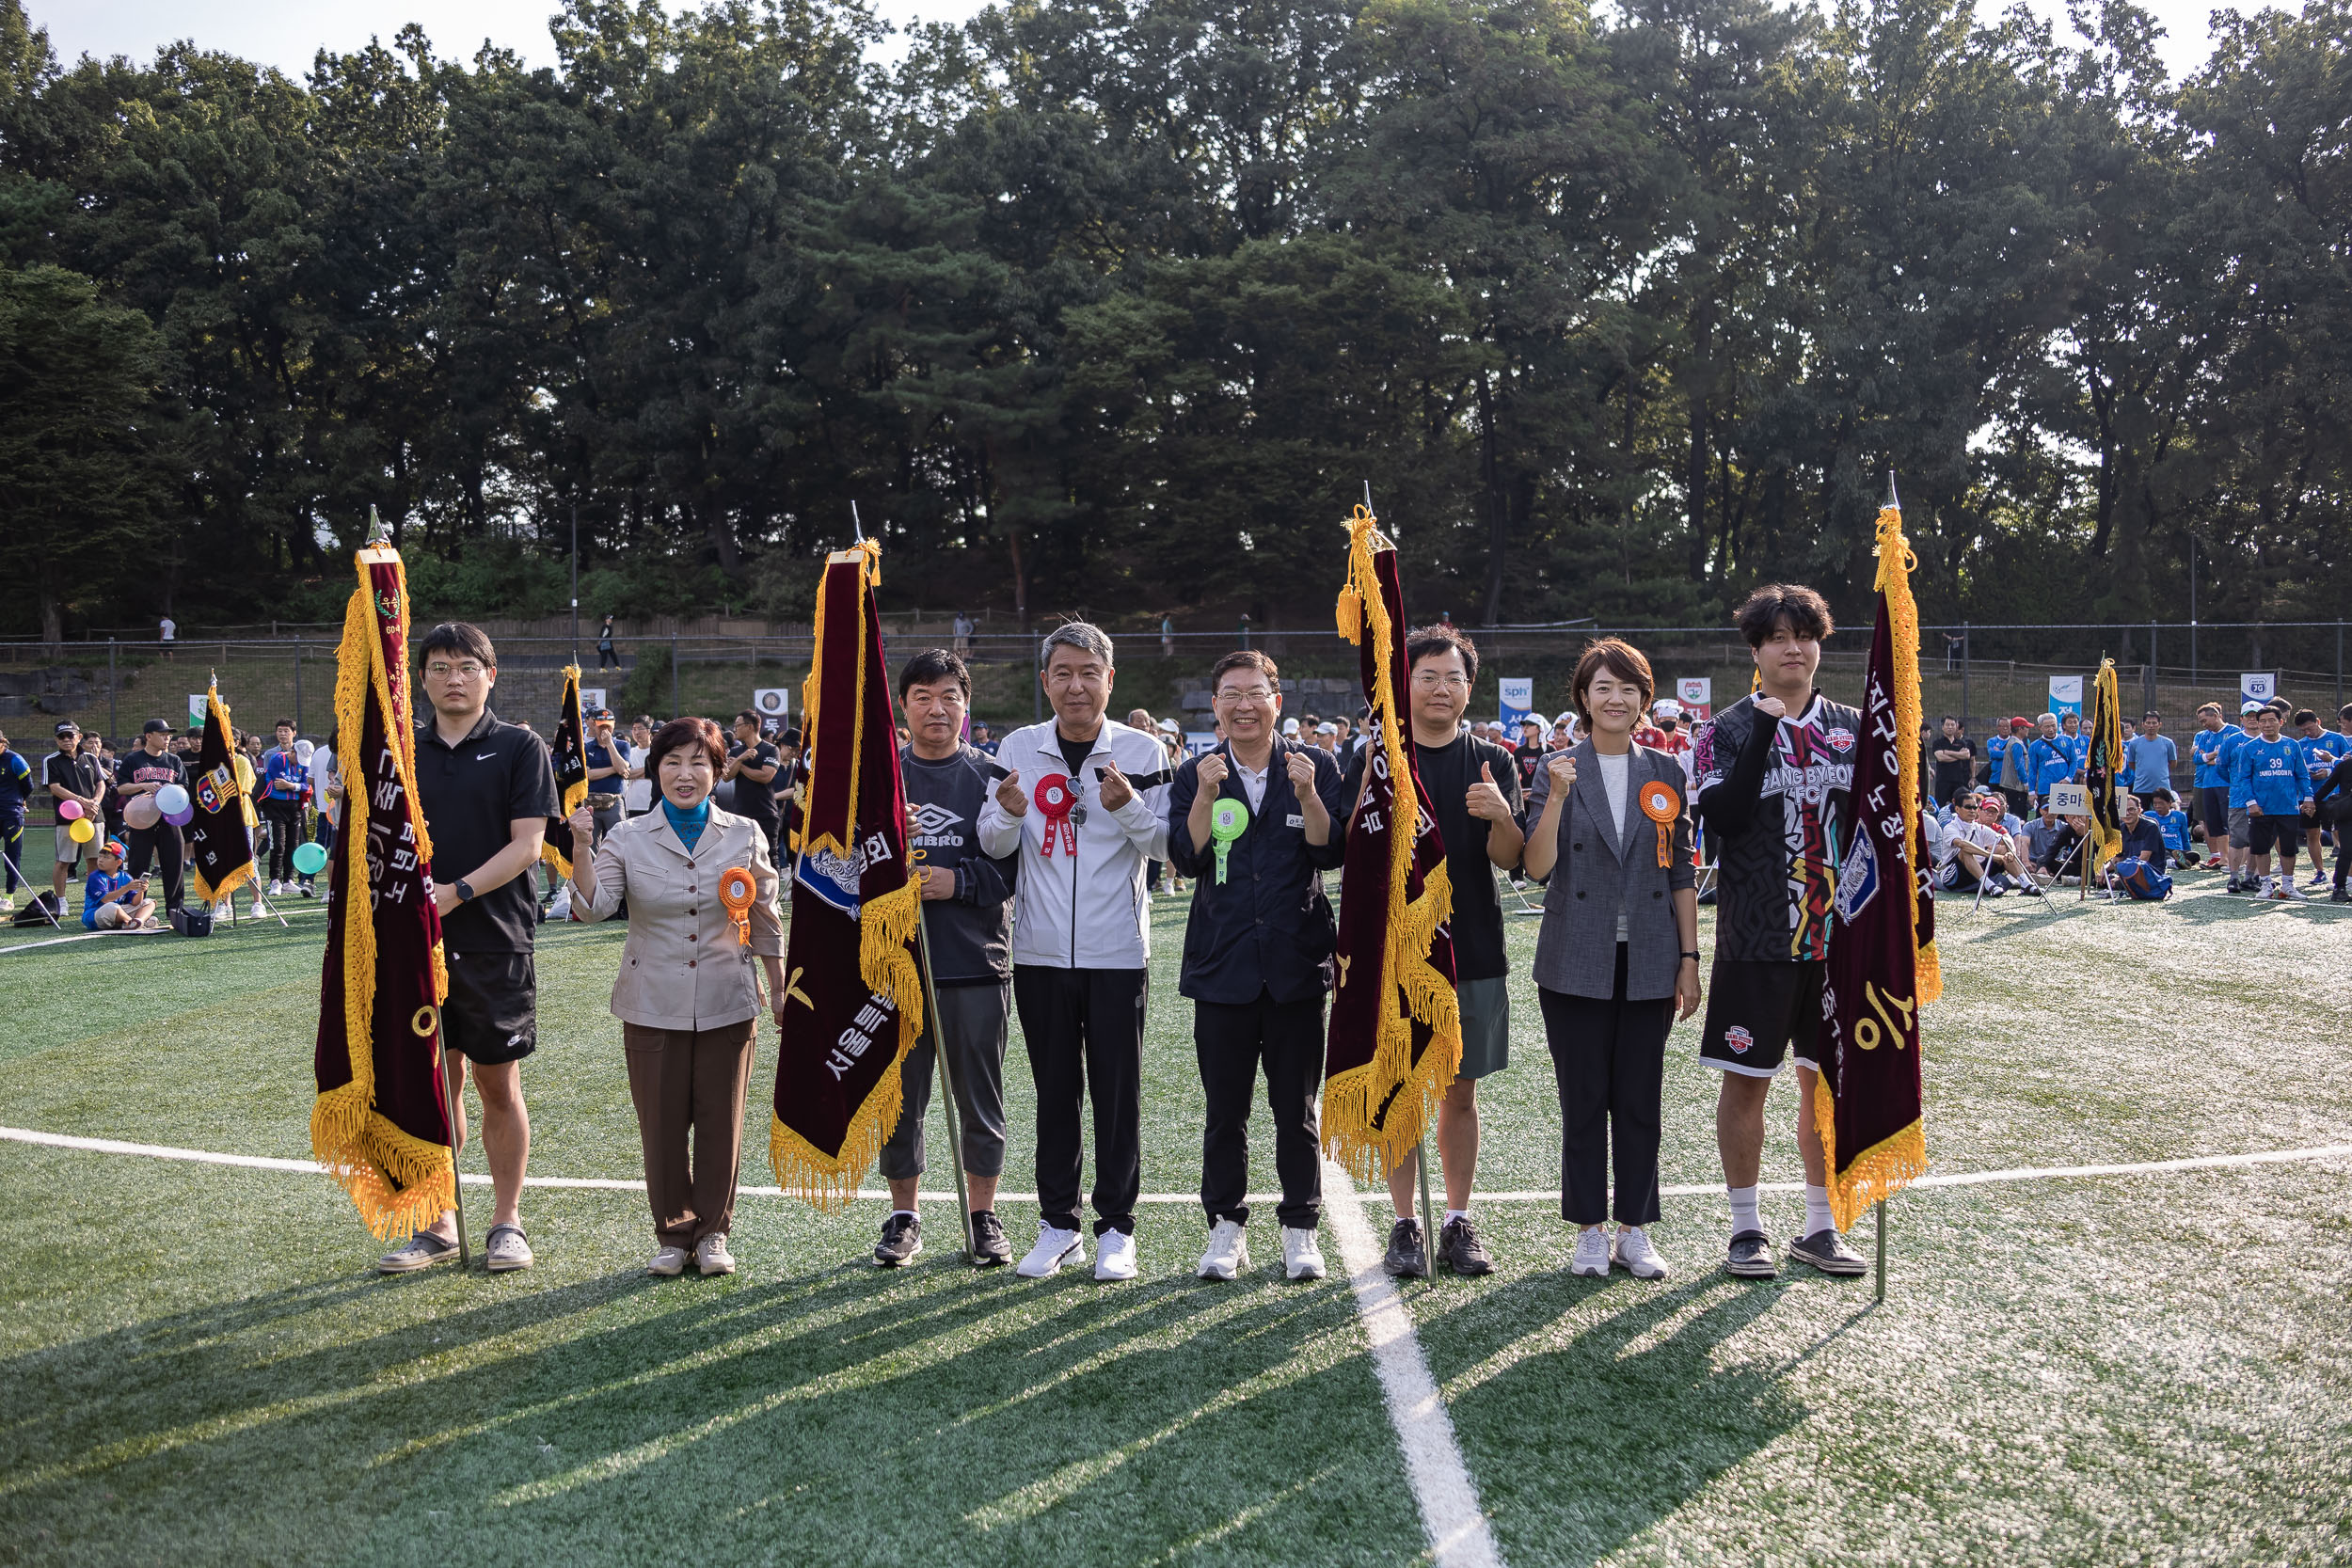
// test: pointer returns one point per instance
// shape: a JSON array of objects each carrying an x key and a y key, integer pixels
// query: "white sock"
[
  {"x": 1453, "y": 1215},
  {"x": 908, "y": 1212},
  {"x": 1743, "y": 1214},
  {"x": 1817, "y": 1216}
]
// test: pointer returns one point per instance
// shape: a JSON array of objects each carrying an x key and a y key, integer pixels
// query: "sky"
[{"x": 287, "y": 33}]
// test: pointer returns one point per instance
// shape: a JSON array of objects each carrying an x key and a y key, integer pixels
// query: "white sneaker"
[
  {"x": 261, "y": 911},
  {"x": 224, "y": 909},
  {"x": 275, "y": 890},
  {"x": 2287, "y": 890},
  {"x": 1054, "y": 1248},
  {"x": 1636, "y": 1255},
  {"x": 712, "y": 1257},
  {"x": 668, "y": 1262},
  {"x": 1592, "y": 1254},
  {"x": 1114, "y": 1256},
  {"x": 1302, "y": 1255},
  {"x": 1229, "y": 1251},
  {"x": 8, "y": 905},
  {"x": 560, "y": 907}
]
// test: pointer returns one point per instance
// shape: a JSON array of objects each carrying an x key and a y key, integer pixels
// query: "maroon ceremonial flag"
[
  {"x": 1395, "y": 1040},
  {"x": 1881, "y": 964},
  {"x": 853, "y": 993},
  {"x": 381, "y": 1124}
]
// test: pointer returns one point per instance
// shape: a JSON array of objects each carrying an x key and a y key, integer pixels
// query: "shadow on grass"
[
  {"x": 851, "y": 1416},
  {"x": 1584, "y": 1431}
]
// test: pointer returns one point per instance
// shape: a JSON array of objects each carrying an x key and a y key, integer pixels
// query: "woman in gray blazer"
[
  {"x": 687, "y": 994},
  {"x": 1617, "y": 958}
]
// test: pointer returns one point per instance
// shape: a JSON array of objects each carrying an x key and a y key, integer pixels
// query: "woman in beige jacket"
[{"x": 688, "y": 995}]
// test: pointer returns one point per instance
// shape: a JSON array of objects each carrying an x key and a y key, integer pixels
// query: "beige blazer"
[{"x": 682, "y": 967}]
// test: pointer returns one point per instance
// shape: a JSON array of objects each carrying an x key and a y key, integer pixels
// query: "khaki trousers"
[{"x": 691, "y": 1082}]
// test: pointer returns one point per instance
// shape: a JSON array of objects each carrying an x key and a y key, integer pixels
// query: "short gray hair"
[{"x": 1083, "y": 636}]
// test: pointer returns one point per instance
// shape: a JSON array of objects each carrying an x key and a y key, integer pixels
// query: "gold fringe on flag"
[
  {"x": 2107, "y": 735},
  {"x": 399, "y": 1183},
  {"x": 1351, "y": 1098},
  {"x": 217, "y": 709},
  {"x": 568, "y": 717}
]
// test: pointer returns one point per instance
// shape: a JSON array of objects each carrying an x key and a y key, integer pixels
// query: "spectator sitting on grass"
[
  {"x": 2063, "y": 858},
  {"x": 1979, "y": 849},
  {"x": 112, "y": 901},
  {"x": 2138, "y": 871},
  {"x": 2172, "y": 822}
]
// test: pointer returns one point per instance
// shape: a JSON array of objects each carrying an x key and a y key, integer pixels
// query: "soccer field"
[{"x": 2155, "y": 1367}]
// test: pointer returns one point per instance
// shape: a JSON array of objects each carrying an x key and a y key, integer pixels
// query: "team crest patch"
[
  {"x": 1858, "y": 880},
  {"x": 1738, "y": 1040},
  {"x": 1841, "y": 740}
]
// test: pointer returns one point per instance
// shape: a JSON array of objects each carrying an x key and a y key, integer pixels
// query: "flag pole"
[
  {"x": 946, "y": 1084},
  {"x": 1879, "y": 1276},
  {"x": 1428, "y": 1222}
]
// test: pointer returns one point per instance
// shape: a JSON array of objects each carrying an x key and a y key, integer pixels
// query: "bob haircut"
[
  {"x": 1423, "y": 641},
  {"x": 1620, "y": 658},
  {"x": 931, "y": 667},
  {"x": 685, "y": 735},
  {"x": 1777, "y": 604}
]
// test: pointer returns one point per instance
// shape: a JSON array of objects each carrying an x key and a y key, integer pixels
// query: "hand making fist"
[
  {"x": 1771, "y": 707},
  {"x": 1486, "y": 796},
  {"x": 1302, "y": 771},
  {"x": 1560, "y": 767},
  {"x": 1115, "y": 789},
  {"x": 1214, "y": 771},
  {"x": 1011, "y": 796},
  {"x": 583, "y": 825}
]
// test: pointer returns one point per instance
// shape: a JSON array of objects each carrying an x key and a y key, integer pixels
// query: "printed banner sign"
[
  {"x": 1519, "y": 701},
  {"x": 772, "y": 702},
  {"x": 2066, "y": 695},
  {"x": 2257, "y": 686},
  {"x": 1696, "y": 693},
  {"x": 590, "y": 698},
  {"x": 2071, "y": 800}
]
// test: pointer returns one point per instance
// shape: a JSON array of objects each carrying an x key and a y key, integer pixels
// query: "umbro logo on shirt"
[{"x": 932, "y": 822}]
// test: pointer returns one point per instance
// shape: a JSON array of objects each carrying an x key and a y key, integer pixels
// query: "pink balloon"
[
  {"x": 141, "y": 811},
  {"x": 70, "y": 810}
]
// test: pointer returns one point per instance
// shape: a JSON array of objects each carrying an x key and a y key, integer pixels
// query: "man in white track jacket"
[{"x": 1084, "y": 802}]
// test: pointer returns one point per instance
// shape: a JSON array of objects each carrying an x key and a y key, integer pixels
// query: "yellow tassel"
[{"x": 1351, "y": 610}]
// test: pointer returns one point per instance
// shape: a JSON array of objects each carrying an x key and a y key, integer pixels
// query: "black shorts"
[
  {"x": 492, "y": 1013},
  {"x": 2213, "y": 814},
  {"x": 1756, "y": 1012},
  {"x": 2282, "y": 833}
]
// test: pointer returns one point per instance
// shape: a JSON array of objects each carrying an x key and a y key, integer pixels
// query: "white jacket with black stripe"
[{"x": 1087, "y": 911}]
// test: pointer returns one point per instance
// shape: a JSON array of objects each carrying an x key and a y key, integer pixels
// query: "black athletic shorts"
[
  {"x": 1756, "y": 1011},
  {"x": 2213, "y": 814},
  {"x": 2282, "y": 833},
  {"x": 492, "y": 1013}
]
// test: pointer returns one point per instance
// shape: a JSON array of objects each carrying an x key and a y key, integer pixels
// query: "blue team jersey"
[
  {"x": 2078, "y": 747},
  {"x": 2321, "y": 751},
  {"x": 2174, "y": 824},
  {"x": 16, "y": 785},
  {"x": 2147, "y": 761},
  {"x": 2214, "y": 774},
  {"x": 2231, "y": 738},
  {"x": 282, "y": 777},
  {"x": 2052, "y": 763},
  {"x": 2271, "y": 774},
  {"x": 95, "y": 892}
]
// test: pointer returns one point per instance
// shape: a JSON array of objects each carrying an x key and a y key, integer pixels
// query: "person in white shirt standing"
[{"x": 1083, "y": 803}]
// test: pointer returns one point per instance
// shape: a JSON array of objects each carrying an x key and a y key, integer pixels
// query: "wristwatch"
[{"x": 465, "y": 893}]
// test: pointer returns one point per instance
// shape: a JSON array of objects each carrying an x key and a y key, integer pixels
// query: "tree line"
[{"x": 1117, "y": 306}]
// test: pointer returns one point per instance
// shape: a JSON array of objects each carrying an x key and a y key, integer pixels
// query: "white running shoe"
[
  {"x": 1114, "y": 1256},
  {"x": 261, "y": 911},
  {"x": 8, "y": 905},
  {"x": 277, "y": 890},
  {"x": 1054, "y": 1248},
  {"x": 560, "y": 907},
  {"x": 1302, "y": 1255},
  {"x": 1229, "y": 1251},
  {"x": 2288, "y": 891},
  {"x": 668, "y": 1262},
  {"x": 1636, "y": 1255},
  {"x": 1592, "y": 1254}
]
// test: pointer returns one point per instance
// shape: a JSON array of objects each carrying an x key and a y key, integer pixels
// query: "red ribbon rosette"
[{"x": 1056, "y": 796}]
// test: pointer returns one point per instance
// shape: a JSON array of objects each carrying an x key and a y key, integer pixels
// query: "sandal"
[{"x": 506, "y": 1249}]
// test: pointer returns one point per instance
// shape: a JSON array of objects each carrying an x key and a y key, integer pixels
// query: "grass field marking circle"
[{"x": 1459, "y": 1535}]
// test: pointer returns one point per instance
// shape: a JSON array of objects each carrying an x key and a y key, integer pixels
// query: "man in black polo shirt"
[
  {"x": 488, "y": 789},
  {"x": 1254, "y": 950},
  {"x": 752, "y": 763}
]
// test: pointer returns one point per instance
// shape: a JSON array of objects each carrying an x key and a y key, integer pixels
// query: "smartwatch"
[{"x": 465, "y": 892}]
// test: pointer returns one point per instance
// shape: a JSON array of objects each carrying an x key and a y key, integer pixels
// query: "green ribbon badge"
[{"x": 1227, "y": 820}]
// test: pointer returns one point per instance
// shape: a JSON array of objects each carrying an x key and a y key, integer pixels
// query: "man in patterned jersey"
[{"x": 1772, "y": 771}]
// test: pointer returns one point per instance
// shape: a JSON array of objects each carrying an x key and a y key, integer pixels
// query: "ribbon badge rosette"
[
  {"x": 1056, "y": 797},
  {"x": 1228, "y": 821}
]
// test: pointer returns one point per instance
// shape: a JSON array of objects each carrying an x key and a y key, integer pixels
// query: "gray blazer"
[{"x": 1575, "y": 951}]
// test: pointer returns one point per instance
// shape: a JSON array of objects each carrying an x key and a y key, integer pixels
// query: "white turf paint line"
[
  {"x": 1964, "y": 1179},
  {"x": 1460, "y": 1536}
]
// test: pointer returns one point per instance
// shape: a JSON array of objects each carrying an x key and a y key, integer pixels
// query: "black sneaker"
[
  {"x": 1751, "y": 1257},
  {"x": 1459, "y": 1249},
  {"x": 1827, "y": 1251},
  {"x": 2339, "y": 896},
  {"x": 1407, "y": 1258},
  {"x": 902, "y": 1238},
  {"x": 990, "y": 1250}
]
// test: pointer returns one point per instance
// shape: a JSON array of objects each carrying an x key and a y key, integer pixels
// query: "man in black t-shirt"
[
  {"x": 68, "y": 775},
  {"x": 752, "y": 764},
  {"x": 149, "y": 767},
  {"x": 1474, "y": 788},
  {"x": 488, "y": 789},
  {"x": 1955, "y": 761}
]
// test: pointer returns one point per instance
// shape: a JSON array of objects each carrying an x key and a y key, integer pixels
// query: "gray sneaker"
[
  {"x": 711, "y": 1255},
  {"x": 506, "y": 1249},
  {"x": 1751, "y": 1257},
  {"x": 420, "y": 1251},
  {"x": 1827, "y": 1251},
  {"x": 1407, "y": 1259}
]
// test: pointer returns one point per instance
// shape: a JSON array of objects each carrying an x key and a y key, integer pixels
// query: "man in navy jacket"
[{"x": 1255, "y": 946}]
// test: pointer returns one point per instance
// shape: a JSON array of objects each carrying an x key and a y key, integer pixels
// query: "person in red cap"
[
  {"x": 112, "y": 901},
  {"x": 2009, "y": 769}
]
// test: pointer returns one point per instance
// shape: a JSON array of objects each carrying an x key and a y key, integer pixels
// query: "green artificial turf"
[{"x": 201, "y": 1368}]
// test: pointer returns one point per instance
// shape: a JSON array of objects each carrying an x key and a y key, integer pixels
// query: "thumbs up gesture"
[{"x": 1486, "y": 796}]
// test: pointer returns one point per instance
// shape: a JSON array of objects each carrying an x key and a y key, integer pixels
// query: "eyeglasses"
[
  {"x": 1249, "y": 694},
  {"x": 440, "y": 670},
  {"x": 1430, "y": 680}
]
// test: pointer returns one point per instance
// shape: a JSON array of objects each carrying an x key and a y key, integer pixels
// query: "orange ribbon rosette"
[
  {"x": 1661, "y": 805},
  {"x": 736, "y": 890}
]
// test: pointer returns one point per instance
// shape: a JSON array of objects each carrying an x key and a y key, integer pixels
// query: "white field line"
[
  {"x": 1460, "y": 1536},
  {"x": 1964, "y": 1179}
]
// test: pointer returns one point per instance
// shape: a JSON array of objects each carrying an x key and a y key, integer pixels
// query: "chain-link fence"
[{"x": 1981, "y": 673}]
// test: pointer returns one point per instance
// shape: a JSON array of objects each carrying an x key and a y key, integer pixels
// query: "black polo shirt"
[{"x": 471, "y": 793}]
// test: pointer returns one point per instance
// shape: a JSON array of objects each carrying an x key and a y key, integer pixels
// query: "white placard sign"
[
  {"x": 2071, "y": 800},
  {"x": 772, "y": 702}
]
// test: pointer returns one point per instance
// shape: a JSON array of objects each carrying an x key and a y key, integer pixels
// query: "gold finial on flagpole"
[{"x": 379, "y": 537}]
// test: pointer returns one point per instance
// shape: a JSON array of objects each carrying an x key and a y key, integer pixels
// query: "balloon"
[
  {"x": 171, "y": 801},
  {"x": 81, "y": 832},
  {"x": 141, "y": 811},
  {"x": 309, "y": 858},
  {"x": 69, "y": 809},
  {"x": 181, "y": 818}
]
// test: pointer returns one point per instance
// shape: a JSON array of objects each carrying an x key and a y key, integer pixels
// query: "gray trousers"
[{"x": 976, "y": 1018}]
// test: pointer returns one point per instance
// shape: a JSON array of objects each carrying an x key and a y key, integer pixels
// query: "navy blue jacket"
[{"x": 1267, "y": 928}]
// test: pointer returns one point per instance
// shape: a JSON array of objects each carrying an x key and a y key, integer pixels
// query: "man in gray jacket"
[{"x": 1084, "y": 804}]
